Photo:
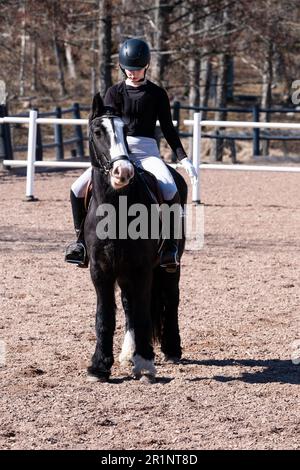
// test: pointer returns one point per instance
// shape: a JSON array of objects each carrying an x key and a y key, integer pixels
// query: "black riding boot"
[
  {"x": 76, "y": 251},
  {"x": 169, "y": 258}
]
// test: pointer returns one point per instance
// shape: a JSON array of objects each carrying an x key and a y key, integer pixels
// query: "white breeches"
[{"x": 144, "y": 153}]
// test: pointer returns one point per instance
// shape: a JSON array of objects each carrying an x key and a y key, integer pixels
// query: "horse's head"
[{"x": 108, "y": 147}]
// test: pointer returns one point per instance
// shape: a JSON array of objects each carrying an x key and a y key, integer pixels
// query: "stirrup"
[{"x": 72, "y": 257}]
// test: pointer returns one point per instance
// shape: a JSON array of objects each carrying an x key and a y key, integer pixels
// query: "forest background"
[{"x": 204, "y": 52}]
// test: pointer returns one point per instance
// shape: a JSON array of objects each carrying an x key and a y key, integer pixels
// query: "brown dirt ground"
[{"x": 239, "y": 314}]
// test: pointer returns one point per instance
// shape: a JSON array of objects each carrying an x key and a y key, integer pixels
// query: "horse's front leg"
[{"x": 103, "y": 359}]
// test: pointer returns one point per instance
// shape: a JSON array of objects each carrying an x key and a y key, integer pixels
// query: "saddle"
[
  {"x": 88, "y": 195},
  {"x": 151, "y": 186}
]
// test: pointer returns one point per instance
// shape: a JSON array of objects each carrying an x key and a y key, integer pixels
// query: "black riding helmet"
[{"x": 134, "y": 54}]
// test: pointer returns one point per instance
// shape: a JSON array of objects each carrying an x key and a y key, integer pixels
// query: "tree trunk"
[
  {"x": 161, "y": 15},
  {"x": 23, "y": 50},
  {"x": 221, "y": 92},
  {"x": 34, "y": 61},
  {"x": 60, "y": 65},
  {"x": 3, "y": 93},
  {"x": 205, "y": 61},
  {"x": 68, "y": 49},
  {"x": 266, "y": 95},
  {"x": 58, "y": 49},
  {"x": 70, "y": 61},
  {"x": 218, "y": 146},
  {"x": 105, "y": 45},
  {"x": 194, "y": 76},
  {"x": 205, "y": 80},
  {"x": 94, "y": 61}
]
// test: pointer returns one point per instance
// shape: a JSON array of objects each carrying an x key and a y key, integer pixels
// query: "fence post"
[
  {"x": 3, "y": 155},
  {"x": 39, "y": 143},
  {"x": 256, "y": 132},
  {"x": 31, "y": 155},
  {"x": 78, "y": 131},
  {"x": 5, "y": 135},
  {"x": 176, "y": 117},
  {"x": 197, "y": 156},
  {"x": 58, "y": 136}
]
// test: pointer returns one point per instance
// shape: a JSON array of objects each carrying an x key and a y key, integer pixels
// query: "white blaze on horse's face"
[{"x": 122, "y": 170}]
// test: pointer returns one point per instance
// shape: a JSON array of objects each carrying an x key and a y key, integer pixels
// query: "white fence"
[
  {"x": 31, "y": 162},
  {"x": 197, "y": 124}
]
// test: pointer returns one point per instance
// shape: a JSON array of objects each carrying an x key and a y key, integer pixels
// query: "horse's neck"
[
  {"x": 100, "y": 186},
  {"x": 103, "y": 193}
]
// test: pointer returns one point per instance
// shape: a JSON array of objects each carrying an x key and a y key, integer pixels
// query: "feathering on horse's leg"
[{"x": 128, "y": 346}]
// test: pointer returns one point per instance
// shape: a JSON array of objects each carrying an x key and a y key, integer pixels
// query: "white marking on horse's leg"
[
  {"x": 140, "y": 364},
  {"x": 128, "y": 348}
]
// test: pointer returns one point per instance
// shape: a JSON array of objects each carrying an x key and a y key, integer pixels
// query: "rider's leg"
[
  {"x": 169, "y": 253},
  {"x": 76, "y": 251},
  {"x": 171, "y": 224}
]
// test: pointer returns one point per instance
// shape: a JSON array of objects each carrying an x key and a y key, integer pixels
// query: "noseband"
[{"x": 105, "y": 164}]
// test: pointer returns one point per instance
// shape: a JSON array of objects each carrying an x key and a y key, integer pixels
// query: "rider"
[{"x": 140, "y": 103}]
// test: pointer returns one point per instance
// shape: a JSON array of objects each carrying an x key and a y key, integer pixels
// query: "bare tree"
[
  {"x": 205, "y": 62},
  {"x": 23, "y": 49},
  {"x": 34, "y": 65},
  {"x": 55, "y": 15},
  {"x": 105, "y": 44},
  {"x": 162, "y": 11},
  {"x": 68, "y": 42},
  {"x": 193, "y": 70},
  {"x": 94, "y": 60}
]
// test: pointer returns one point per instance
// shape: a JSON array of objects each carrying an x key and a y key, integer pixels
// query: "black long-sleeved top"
[{"x": 140, "y": 108}]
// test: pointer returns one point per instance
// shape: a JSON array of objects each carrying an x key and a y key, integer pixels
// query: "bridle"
[{"x": 105, "y": 163}]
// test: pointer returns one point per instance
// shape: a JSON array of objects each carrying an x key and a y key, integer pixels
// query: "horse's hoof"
[
  {"x": 93, "y": 376},
  {"x": 171, "y": 359},
  {"x": 137, "y": 376},
  {"x": 147, "y": 379},
  {"x": 126, "y": 362}
]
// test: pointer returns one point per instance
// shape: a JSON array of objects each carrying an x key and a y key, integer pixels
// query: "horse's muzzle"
[{"x": 121, "y": 174}]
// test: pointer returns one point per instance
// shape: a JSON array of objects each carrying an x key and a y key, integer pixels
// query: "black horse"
[{"x": 150, "y": 295}]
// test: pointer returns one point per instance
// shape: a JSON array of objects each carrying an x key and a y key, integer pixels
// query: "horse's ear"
[{"x": 97, "y": 107}]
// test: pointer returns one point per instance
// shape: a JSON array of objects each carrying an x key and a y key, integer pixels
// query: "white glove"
[{"x": 190, "y": 169}]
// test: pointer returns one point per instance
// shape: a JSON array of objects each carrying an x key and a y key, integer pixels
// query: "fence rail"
[
  {"x": 198, "y": 123},
  {"x": 33, "y": 121},
  {"x": 8, "y": 149}
]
